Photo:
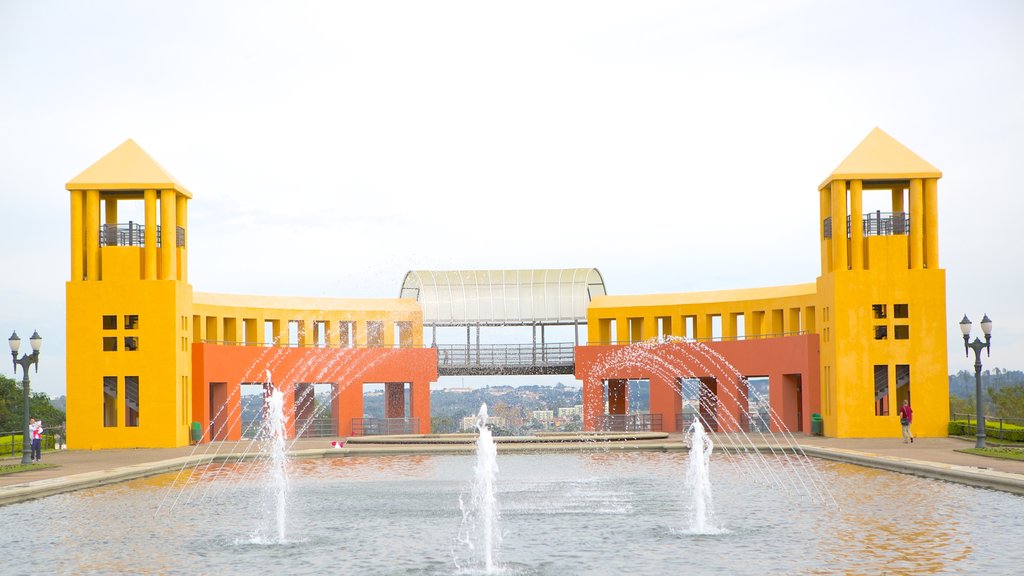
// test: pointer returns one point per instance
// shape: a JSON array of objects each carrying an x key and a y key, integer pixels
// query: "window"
[
  {"x": 901, "y": 311},
  {"x": 879, "y": 310},
  {"x": 131, "y": 321},
  {"x": 110, "y": 322},
  {"x": 109, "y": 401},
  {"x": 881, "y": 332},
  {"x": 901, "y": 332},
  {"x": 131, "y": 343},
  {"x": 881, "y": 390},
  {"x": 374, "y": 334},
  {"x": 131, "y": 401},
  {"x": 110, "y": 343}
]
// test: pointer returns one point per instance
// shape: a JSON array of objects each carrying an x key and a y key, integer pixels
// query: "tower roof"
[
  {"x": 881, "y": 157},
  {"x": 126, "y": 167}
]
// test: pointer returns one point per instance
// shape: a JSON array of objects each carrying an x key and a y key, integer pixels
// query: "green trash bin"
[
  {"x": 197, "y": 432},
  {"x": 817, "y": 426}
]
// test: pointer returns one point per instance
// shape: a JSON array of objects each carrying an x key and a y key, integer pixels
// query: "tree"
[
  {"x": 960, "y": 405},
  {"x": 12, "y": 407},
  {"x": 1006, "y": 402}
]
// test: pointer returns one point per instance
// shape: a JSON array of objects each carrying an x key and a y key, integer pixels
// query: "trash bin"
[
  {"x": 816, "y": 424},
  {"x": 197, "y": 432}
]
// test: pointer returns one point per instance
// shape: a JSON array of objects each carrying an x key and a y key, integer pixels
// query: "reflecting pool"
[{"x": 573, "y": 513}]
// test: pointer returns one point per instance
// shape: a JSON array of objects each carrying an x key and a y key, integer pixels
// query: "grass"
[
  {"x": 1006, "y": 452},
  {"x": 19, "y": 467}
]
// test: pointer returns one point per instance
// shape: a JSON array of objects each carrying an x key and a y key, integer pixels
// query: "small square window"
[
  {"x": 901, "y": 332},
  {"x": 110, "y": 322},
  {"x": 879, "y": 310},
  {"x": 131, "y": 321},
  {"x": 881, "y": 332},
  {"x": 901, "y": 311},
  {"x": 131, "y": 343},
  {"x": 110, "y": 343}
]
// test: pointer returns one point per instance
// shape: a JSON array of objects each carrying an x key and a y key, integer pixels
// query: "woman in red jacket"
[{"x": 906, "y": 417}]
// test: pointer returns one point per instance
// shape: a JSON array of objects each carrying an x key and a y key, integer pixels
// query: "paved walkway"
[{"x": 76, "y": 469}]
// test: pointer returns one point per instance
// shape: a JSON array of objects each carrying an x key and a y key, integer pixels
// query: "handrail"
[
  {"x": 134, "y": 234},
  {"x": 385, "y": 426},
  {"x": 50, "y": 436},
  {"x": 548, "y": 354},
  {"x": 298, "y": 345},
  {"x": 636, "y": 422},
  {"x": 875, "y": 223},
  {"x": 671, "y": 339}
]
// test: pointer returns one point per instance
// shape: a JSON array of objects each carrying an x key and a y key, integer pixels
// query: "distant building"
[
  {"x": 573, "y": 412},
  {"x": 469, "y": 422},
  {"x": 543, "y": 415}
]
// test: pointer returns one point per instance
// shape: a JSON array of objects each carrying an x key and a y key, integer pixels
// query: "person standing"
[
  {"x": 906, "y": 418},
  {"x": 35, "y": 430}
]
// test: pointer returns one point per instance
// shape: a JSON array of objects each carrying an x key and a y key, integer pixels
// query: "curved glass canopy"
[{"x": 503, "y": 297}]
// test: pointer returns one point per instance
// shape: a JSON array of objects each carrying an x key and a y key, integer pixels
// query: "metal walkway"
[{"x": 505, "y": 359}]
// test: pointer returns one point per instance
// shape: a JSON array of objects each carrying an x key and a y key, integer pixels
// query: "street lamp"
[
  {"x": 978, "y": 346},
  {"x": 26, "y": 360}
]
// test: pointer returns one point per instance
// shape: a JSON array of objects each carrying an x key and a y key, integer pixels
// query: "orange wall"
[
  {"x": 777, "y": 358},
  {"x": 347, "y": 368}
]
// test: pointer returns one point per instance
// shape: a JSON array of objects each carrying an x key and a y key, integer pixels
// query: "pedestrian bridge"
[{"x": 489, "y": 299}]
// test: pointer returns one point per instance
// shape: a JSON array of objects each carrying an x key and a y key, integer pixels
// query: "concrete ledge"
[{"x": 969, "y": 475}]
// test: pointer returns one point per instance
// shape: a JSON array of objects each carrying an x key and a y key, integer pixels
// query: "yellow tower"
[
  {"x": 881, "y": 295},
  {"x": 129, "y": 305}
]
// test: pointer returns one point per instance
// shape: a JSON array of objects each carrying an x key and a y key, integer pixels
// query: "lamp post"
[
  {"x": 978, "y": 346},
  {"x": 26, "y": 360}
]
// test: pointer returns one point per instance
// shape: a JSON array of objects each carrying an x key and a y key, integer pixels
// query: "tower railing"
[
  {"x": 877, "y": 223},
  {"x": 134, "y": 234}
]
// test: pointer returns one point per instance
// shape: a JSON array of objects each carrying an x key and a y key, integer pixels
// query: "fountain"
[
  {"x": 480, "y": 530},
  {"x": 698, "y": 481},
  {"x": 575, "y": 511},
  {"x": 275, "y": 437}
]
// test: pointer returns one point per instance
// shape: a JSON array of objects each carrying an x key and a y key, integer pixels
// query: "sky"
[{"x": 675, "y": 146}]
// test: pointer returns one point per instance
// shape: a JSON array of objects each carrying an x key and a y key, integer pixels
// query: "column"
[
  {"x": 149, "y": 197},
  {"x": 702, "y": 327},
  {"x": 931, "y": 223},
  {"x": 824, "y": 211},
  {"x": 168, "y": 263},
  {"x": 839, "y": 225},
  {"x": 109, "y": 211},
  {"x": 77, "y": 240},
  {"x": 92, "y": 234},
  {"x": 181, "y": 216},
  {"x": 665, "y": 400},
  {"x": 260, "y": 335},
  {"x": 897, "y": 199},
  {"x": 394, "y": 399},
  {"x": 856, "y": 226},
  {"x": 649, "y": 329},
  {"x": 916, "y": 224},
  {"x": 622, "y": 330},
  {"x": 729, "y": 322},
  {"x": 593, "y": 403}
]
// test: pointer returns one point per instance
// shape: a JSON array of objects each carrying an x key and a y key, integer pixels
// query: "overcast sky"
[{"x": 675, "y": 146}]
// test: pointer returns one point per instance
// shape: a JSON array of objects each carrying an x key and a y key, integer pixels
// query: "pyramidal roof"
[
  {"x": 126, "y": 167},
  {"x": 881, "y": 157}
]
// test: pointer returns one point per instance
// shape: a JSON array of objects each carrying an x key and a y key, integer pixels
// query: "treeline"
[
  {"x": 1004, "y": 393},
  {"x": 12, "y": 407}
]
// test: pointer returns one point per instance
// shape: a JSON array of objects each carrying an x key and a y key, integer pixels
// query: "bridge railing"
[
  {"x": 384, "y": 426},
  {"x": 548, "y": 354},
  {"x": 631, "y": 423}
]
